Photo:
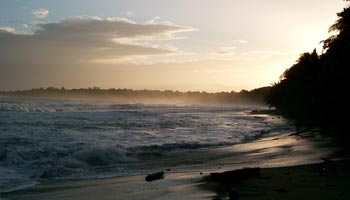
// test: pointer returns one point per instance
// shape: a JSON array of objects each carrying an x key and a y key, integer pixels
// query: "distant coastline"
[{"x": 255, "y": 96}]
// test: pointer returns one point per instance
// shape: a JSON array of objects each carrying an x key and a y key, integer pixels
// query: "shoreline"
[
  {"x": 327, "y": 180},
  {"x": 277, "y": 155}
]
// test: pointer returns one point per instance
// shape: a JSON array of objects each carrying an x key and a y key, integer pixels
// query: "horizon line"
[{"x": 130, "y": 89}]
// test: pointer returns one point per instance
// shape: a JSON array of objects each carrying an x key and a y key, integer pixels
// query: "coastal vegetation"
[
  {"x": 255, "y": 96},
  {"x": 313, "y": 91}
]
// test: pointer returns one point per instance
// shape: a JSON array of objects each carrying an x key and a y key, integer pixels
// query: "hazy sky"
[{"x": 182, "y": 45}]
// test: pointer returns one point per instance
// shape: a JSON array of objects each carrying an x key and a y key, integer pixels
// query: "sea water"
[{"x": 43, "y": 139}]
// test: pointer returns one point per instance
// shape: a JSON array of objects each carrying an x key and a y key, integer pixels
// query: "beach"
[
  {"x": 314, "y": 181},
  {"x": 311, "y": 170},
  {"x": 162, "y": 100}
]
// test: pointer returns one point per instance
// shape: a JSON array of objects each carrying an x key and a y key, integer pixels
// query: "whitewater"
[{"x": 47, "y": 139}]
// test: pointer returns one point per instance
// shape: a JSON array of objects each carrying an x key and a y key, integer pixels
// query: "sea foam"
[{"x": 60, "y": 139}]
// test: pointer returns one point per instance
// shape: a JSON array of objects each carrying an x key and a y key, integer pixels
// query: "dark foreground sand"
[{"x": 327, "y": 180}]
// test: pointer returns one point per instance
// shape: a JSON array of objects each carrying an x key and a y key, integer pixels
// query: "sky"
[{"x": 185, "y": 45}]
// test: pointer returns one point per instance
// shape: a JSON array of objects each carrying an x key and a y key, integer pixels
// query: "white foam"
[{"x": 44, "y": 139}]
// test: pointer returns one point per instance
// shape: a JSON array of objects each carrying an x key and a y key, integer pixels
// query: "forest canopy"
[
  {"x": 255, "y": 96},
  {"x": 313, "y": 90}
]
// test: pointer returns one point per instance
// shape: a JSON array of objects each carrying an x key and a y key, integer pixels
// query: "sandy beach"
[
  {"x": 310, "y": 169},
  {"x": 174, "y": 100},
  {"x": 314, "y": 181},
  {"x": 327, "y": 180}
]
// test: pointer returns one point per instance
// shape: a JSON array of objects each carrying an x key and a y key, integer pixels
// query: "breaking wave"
[{"x": 60, "y": 139}]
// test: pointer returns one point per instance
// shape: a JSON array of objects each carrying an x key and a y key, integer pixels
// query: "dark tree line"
[
  {"x": 255, "y": 96},
  {"x": 314, "y": 91}
]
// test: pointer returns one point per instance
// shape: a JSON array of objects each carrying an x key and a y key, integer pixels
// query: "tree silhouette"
[
  {"x": 294, "y": 94},
  {"x": 313, "y": 91}
]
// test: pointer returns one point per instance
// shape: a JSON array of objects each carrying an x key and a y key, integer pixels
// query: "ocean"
[{"x": 44, "y": 139}]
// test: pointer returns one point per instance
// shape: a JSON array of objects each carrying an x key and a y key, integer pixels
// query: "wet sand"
[
  {"x": 328, "y": 180},
  {"x": 285, "y": 174},
  {"x": 314, "y": 181}
]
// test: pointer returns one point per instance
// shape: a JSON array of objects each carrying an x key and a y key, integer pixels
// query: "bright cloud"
[
  {"x": 130, "y": 13},
  {"x": 7, "y": 29},
  {"x": 159, "y": 20},
  {"x": 40, "y": 13},
  {"x": 239, "y": 41},
  {"x": 227, "y": 49}
]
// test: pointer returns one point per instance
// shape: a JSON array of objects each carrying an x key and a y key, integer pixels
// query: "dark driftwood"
[
  {"x": 155, "y": 176},
  {"x": 232, "y": 176}
]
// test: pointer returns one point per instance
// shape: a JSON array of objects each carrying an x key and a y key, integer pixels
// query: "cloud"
[
  {"x": 130, "y": 13},
  {"x": 40, "y": 13},
  {"x": 82, "y": 39},
  {"x": 227, "y": 49},
  {"x": 240, "y": 41},
  {"x": 154, "y": 20},
  {"x": 159, "y": 20},
  {"x": 74, "y": 50},
  {"x": 7, "y": 29},
  {"x": 224, "y": 53}
]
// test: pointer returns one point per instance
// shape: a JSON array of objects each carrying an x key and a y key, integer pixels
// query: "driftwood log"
[
  {"x": 155, "y": 176},
  {"x": 234, "y": 175}
]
